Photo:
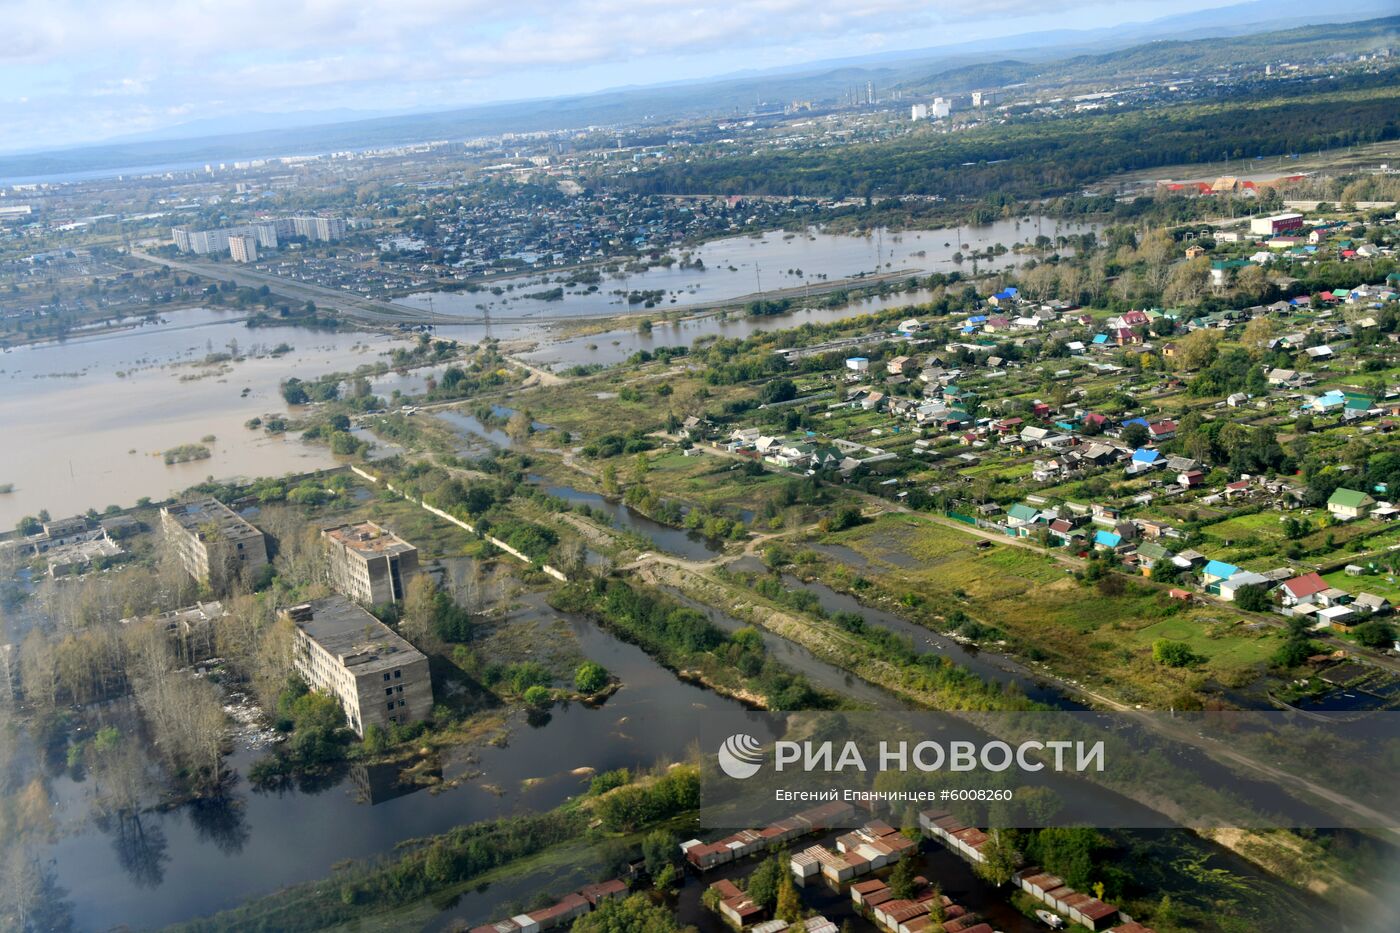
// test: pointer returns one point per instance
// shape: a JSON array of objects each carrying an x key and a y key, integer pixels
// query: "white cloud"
[{"x": 137, "y": 60}]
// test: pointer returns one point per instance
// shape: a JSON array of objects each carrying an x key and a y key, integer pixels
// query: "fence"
[{"x": 513, "y": 552}]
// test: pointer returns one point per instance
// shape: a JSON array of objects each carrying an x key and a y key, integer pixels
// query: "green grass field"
[
  {"x": 1225, "y": 651},
  {"x": 1381, "y": 584},
  {"x": 1084, "y": 633}
]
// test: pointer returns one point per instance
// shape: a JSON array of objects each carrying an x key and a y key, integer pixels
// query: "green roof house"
[
  {"x": 1022, "y": 514},
  {"x": 1348, "y": 504}
]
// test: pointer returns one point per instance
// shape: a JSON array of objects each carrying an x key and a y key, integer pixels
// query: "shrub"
[
  {"x": 590, "y": 678},
  {"x": 1173, "y": 653}
]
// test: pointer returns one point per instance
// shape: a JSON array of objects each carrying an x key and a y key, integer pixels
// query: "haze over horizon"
[{"x": 78, "y": 72}]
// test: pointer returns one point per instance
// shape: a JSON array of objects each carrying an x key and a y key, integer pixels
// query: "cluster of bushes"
[
  {"x": 683, "y": 638},
  {"x": 632, "y": 806},
  {"x": 185, "y": 453},
  {"x": 535, "y": 541},
  {"x": 317, "y": 735},
  {"x": 611, "y": 445}
]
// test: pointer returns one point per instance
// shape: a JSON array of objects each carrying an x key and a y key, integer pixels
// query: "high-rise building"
[
  {"x": 918, "y": 112},
  {"x": 941, "y": 108},
  {"x": 216, "y": 545},
  {"x": 368, "y": 563},
  {"x": 266, "y": 232},
  {"x": 208, "y": 241},
  {"x": 243, "y": 247},
  {"x": 378, "y": 677},
  {"x": 325, "y": 229}
]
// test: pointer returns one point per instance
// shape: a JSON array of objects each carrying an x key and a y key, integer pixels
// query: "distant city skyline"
[{"x": 77, "y": 71}]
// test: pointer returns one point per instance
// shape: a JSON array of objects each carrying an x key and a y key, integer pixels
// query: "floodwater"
[
  {"x": 736, "y": 267},
  {"x": 191, "y": 863},
  {"x": 991, "y": 667},
  {"x": 616, "y": 346},
  {"x": 678, "y": 541},
  {"x": 836, "y": 256},
  {"x": 86, "y": 419}
]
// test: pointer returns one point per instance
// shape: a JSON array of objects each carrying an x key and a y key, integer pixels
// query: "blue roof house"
[
  {"x": 1216, "y": 572},
  {"x": 1107, "y": 539}
]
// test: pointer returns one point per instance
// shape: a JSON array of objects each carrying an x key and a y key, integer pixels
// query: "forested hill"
[
  {"x": 1308, "y": 43},
  {"x": 1038, "y": 157}
]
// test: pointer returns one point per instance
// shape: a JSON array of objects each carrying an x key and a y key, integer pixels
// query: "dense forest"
[{"x": 1037, "y": 158}]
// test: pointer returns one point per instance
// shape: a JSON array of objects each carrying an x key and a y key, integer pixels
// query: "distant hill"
[
  {"x": 1173, "y": 56},
  {"x": 951, "y": 69}
]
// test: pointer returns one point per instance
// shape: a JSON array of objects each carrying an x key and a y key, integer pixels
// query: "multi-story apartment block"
[
  {"x": 378, "y": 677},
  {"x": 263, "y": 234},
  {"x": 369, "y": 563},
  {"x": 319, "y": 228},
  {"x": 243, "y": 247},
  {"x": 216, "y": 545}
]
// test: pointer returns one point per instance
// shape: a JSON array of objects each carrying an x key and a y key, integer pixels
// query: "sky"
[{"x": 79, "y": 71}]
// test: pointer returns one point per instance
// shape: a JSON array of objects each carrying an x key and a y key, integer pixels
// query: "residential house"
[
  {"x": 1287, "y": 378},
  {"x": 901, "y": 366},
  {"x": 1302, "y": 589},
  {"x": 694, "y": 428},
  {"x": 1063, "y": 531},
  {"x": 1349, "y": 504},
  {"x": 1145, "y": 459},
  {"x": 1229, "y": 589},
  {"x": 1021, "y": 518},
  {"x": 1372, "y": 604},
  {"x": 1214, "y": 573},
  {"x": 1161, "y": 431},
  {"x": 1150, "y": 554},
  {"x": 742, "y": 438}
]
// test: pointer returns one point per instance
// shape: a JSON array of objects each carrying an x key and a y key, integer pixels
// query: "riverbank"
[{"x": 446, "y": 865}]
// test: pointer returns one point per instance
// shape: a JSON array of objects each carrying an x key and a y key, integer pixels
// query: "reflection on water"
[
  {"x": 190, "y": 861},
  {"x": 678, "y": 541},
  {"x": 479, "y": 437}
]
